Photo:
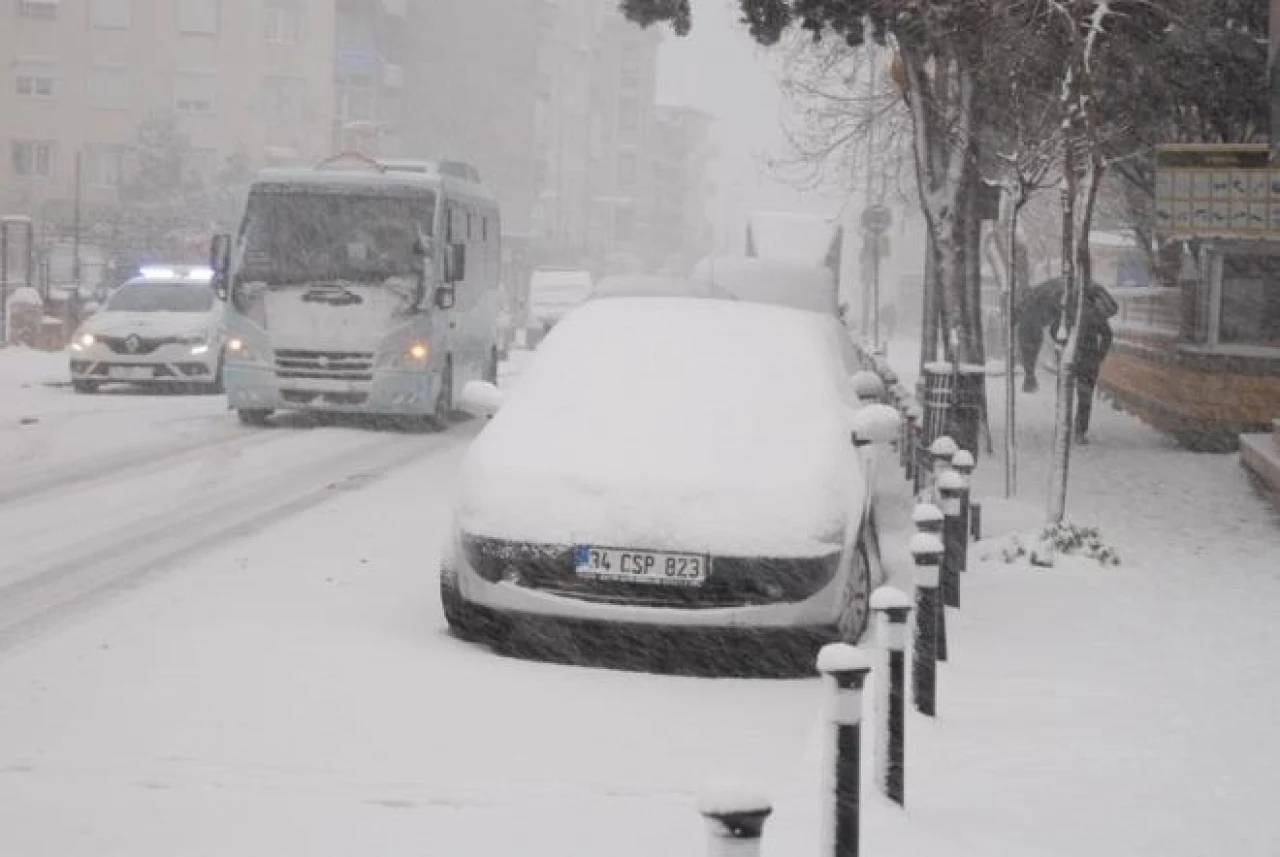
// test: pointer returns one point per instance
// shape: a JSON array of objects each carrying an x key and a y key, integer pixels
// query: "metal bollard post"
[
  {"x": 928, "y": 518},
  {"x": 975, "y": 521},
  {"x": 894, "y": 608},
  {"x": 735, "y": 824},
  {"x": 926, "y": 549},
  {"x": 913, "y": 441},
  {"x": 847, "y": 666},
  {"x": 964, "y": 464},
  {"x": 951, "y": 490}
]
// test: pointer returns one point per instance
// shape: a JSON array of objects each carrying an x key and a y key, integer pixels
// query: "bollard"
[
  {"x": 868, "y": 386},
  {"x": 964, "y": 463},
  {"x": 894, "y": 608},
  {"x": 951, "y": 490},
  {"x": 928, "y": 518},
  {"x": 926, "y": 549},
  {"x": 735, "y": 822},
  {"x": 913, "y": 441},
  {"x": 847, "y": 666},
  {"x": 941, "y": 451},
  {"x": 975, "y": 521}
]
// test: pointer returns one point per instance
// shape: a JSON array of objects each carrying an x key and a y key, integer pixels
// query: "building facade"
[
  {"x": 83, "y": 76},
  {"x": 681, "y": 229}
]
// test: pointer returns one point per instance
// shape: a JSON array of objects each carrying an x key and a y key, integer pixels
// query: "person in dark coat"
[
  {"x": 1039, "y": 309},
  {"x": 1091, "y": 350}
]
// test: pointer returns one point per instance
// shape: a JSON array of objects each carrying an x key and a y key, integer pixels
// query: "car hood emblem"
[{"x": 132, "y": 343}]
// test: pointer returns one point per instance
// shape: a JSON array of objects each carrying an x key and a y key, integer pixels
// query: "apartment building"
[
  {"x": 372, "y": 45},
  {"x": 594, "y": 128},
  {"x": 681, "y": 226},
  {"x": 247, "y": 77}
]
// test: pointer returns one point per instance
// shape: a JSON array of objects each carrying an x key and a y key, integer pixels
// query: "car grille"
[
  {"x": 120, "y": 344},
  {"x": 732, "y": 581},
  {"x": 325, "y": 365}
]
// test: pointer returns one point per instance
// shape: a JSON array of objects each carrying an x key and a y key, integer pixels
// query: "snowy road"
[{"x": 275, "y": 677}]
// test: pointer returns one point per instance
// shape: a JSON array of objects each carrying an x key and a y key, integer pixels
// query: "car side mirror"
[
  {"x": 481, "y": 398},
  {"x": 445, "y": 297},
  {"x": 220, "y": 263},
  {"x": 455, "y": 263}
]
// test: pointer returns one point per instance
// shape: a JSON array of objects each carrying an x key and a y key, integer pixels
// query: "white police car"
[{"x": 160, "y": 329}]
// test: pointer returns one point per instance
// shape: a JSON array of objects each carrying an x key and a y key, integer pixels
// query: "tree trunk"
[
  {"x": 941, "y": 154},
  {"x": 929, "y": 317},
  {"x": 973, "y": 325},
  {"x": 1014, "y": 204}
]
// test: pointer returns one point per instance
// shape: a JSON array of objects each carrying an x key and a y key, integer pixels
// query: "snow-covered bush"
[{"x": 1060, "y": 539}]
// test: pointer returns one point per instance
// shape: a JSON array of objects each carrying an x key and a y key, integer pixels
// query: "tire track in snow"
[
  {"x": 74, "y": 578},
  {"x": 133, "y": 462}
]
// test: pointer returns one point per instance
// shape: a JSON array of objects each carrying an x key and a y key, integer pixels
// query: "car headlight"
[
  {"x": 83, "y": 341},
  {"x": 239, "y": 350}
]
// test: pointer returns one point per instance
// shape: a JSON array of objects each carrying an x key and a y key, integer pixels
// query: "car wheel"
[
  {"x": 217, "y": 388},
  {"x": 253, "y": 416},
  {"x": 856, "y": 611},
  {"x": 84, "y": 386},
  {"x": 443, "y": 410}
]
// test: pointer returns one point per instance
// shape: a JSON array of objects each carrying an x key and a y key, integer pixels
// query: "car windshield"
[
  {"x": 301, "y": 235},
  {"x": 162, "y": 297}
]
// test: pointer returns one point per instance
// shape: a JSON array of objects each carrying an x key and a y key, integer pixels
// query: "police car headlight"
[
  {"x": 199, "y": 349},
  {"x": 239, "y": 350},
  {"x": 83, "y": 341}
]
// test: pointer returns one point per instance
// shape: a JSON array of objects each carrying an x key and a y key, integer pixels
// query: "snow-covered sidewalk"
[{"x": 1097, "y": 710}]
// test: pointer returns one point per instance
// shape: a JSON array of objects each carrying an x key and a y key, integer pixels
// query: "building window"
[
  {"x": 34, "y": 79},
  {"x": 108, "y": 87},
  {"x": 38, "y": 8},
  {"x": 286, "y": 98},
  {"x": 195, "y": 91},
  {"x": 33, "y": 158},
  {"x": 1250, "y": 308},
  {"x": 282, "y": 24},
  {"x": 198, "y": 17},
  {"x": 356, "y": 103},
  {"x": 624, "y": 225},
  {"x": 630, "y": 76},
  {"x": 628, "y": 170},
  {"x": 628, "y": 119},
  {"x": 111, "y": 14},
  {"x": 103, "y": 165}
]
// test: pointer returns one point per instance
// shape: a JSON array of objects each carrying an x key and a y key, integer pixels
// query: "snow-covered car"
[
  {"x": 648, "y": 285},
  {"x": 553, "y": 293},
  {"x": 161, "y": 329},
  {"x": 669, "y": 463}
]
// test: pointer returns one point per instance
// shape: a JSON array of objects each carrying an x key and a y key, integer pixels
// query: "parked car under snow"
[
  {"x": 669, "y": 463},
  {"x": 653, "y": 286}
]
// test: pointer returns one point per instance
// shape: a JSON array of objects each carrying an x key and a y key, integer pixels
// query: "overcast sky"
[{"x": 719, "y": 69}]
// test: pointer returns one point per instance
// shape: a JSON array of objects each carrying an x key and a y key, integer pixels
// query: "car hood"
[
  {"x": 148, "y": 324},
  {"x": 681, "y": 482}
]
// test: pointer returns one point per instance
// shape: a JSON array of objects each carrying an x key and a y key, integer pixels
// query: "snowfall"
[{"x": 220, "y": 641}]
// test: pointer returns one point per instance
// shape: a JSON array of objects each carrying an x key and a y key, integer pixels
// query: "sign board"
[
  {"x": 877, "y": 219},
  {"x": 1217, "y": 191}
]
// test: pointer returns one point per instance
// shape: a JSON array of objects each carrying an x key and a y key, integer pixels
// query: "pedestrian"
[{"x": 1091, "y": 350}]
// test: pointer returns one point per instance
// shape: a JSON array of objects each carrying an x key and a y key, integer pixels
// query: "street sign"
[{"x": 877, "y": 218}]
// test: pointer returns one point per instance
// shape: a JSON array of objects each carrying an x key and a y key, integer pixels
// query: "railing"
[{"x": 1148, "y": 310}]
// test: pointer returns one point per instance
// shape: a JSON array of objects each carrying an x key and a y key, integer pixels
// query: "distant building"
[
  {"x": 681, "y": 229},
  {"x": 594, "y": 129},
  {"x": 372, "y": 44},
  {"x": 242, "y": 76}
]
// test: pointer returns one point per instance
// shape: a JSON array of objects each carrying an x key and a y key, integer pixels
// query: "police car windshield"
[{"x": 162, "y": 297}]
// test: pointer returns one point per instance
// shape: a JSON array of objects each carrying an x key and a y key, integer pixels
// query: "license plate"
[
  {"x": 637, "y": 566},
  {"x": 132, "y": 373}
]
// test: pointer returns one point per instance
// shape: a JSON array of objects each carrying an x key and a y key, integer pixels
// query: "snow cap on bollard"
[
  {"x": 943, "y": 448},
  {"x": 926, "y": 549},
  {"x": 848, "y": 666},
  {"x": 867, "y": 385},
  {"x": 914, "y": 412},
  {"x": 890, "y": 377},
  {"x": 895, "y": 608},
  {"x": 928, "y": 518},
  {"x": 963, "y": 462},
  {"x": 875, "y": 424}
]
